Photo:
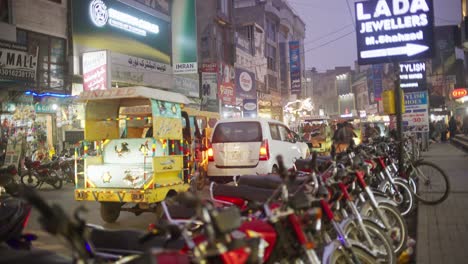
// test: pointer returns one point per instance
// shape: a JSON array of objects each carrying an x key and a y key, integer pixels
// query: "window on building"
[
  {"x": 272, "y": 82},
  {"x": 271, "y": 30},
  {"x": 158, "y": 5},
  {"x": 223, "y": 7},
  {"x": 4, "y": 11},
  {"x": 51, "y": 60},
  {"x": 271, "y": 57}
]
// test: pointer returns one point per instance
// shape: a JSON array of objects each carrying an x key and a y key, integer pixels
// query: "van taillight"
[
  {"x": 264, "y": 151},
  {"x": 210, "y": 153}
]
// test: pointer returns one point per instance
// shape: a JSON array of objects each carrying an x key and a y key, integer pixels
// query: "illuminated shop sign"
[
  {"x": 413, "y": 76},
  {"x": 101, "y": 15},
  {"x": 394, "y": 30}
]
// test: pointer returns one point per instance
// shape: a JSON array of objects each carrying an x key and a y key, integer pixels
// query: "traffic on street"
[{"x": 233, "y": 131}]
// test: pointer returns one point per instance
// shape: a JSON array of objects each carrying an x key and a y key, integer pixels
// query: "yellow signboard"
[{"x": 388, "y": 99}]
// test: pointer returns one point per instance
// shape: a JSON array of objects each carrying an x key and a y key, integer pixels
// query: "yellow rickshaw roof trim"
[{"x": 134, "y": 92}]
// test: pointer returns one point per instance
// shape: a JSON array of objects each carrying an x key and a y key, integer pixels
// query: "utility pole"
[{"x": 399, "y": 116}]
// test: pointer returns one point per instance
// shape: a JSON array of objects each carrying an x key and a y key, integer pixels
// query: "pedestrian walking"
[
  {"x": 452, "y": 127},
  {"x": 465, "y": 125}
]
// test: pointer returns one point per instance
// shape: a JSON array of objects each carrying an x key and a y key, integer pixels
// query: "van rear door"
[{"x": 237, "y": 144}]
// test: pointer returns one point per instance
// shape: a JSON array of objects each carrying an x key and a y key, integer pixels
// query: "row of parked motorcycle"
[
  {"x": 328, "y": 210},
  {"x": 54, "y": 172}
]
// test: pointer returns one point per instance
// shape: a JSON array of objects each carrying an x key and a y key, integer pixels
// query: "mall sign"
[{"x": 394, "y": 30}]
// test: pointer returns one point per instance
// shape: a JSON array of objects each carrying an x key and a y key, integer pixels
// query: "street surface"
[{"x": 442, "y": 230}]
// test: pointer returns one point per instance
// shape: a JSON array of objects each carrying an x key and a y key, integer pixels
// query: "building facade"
[
  {"x": 34, "y": 77},
  {"x": 281, "y": 26}
]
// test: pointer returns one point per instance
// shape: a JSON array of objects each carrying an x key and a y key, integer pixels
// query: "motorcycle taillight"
[{"x": 26, "y": 219}]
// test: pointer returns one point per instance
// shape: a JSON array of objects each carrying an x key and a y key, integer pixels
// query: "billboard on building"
[
  {"x": 245, "y": 84},
  {"x": 227, "y": 86},
  {"x": 17, "y": 62},
  {"x": 96, "y": 71},
  {"x": 295, "y": 66},
  {"x": 139, "y": 41},
  {"x": 184, "y": 37}
]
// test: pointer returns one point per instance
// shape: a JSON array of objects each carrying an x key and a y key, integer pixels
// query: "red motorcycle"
[{"x": 38, "y": 173}]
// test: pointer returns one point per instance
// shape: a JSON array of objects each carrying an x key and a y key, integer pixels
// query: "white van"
[{"x": 250, "y": 146}]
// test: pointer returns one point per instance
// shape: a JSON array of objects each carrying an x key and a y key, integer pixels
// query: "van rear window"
[{"x": 237, "y": 132}]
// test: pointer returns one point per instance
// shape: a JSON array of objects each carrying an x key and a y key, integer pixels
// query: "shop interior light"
[{"x": 48, "y": 94}]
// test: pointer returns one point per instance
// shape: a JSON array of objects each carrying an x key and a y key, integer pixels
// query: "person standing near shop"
[{"x": 452, "y": 127}]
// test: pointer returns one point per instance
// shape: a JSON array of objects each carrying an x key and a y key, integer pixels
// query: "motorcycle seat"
[
  {"x": 260, "y": 181},
  {"x": 267, "y": 182},
  {"x": 129, "y": 240},
  {"x": 181, "y": 212},
  {"x": 244, "y": 192}
]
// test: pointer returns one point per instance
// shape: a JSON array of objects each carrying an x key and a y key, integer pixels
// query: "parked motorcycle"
[{"x": 37, "y": 173}]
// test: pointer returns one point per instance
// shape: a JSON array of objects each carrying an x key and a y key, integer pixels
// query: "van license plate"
[{"x": 235, "y": 155}]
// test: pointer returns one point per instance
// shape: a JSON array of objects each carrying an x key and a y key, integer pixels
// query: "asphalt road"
[{"x": 64, "y": 198}]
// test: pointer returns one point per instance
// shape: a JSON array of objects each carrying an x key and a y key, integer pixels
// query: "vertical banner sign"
[
  {"x": 416, "y": 117},
  {"x": 377, "y": 78},
  {"x": 394, "y": 30},
  {"x": 184, "y": 37},
  {"x": 249, "y": 107},
  {"x": 413, "y": 76},
  {"x": 209, "y": 81},
  {"x": 95, "y": 71},
  {"x": 17, "y": 63},
  {"x": 226, "y": 84},
  {"x": 295, "y": 66},
  {"x": 245, "y": 84}
]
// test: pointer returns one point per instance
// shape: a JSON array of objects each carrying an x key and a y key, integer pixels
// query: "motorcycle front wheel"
[
  {"x": 30, "y": 179},
  {"x": 340, "y": 256},
  {"x": 55, "y": 180}
]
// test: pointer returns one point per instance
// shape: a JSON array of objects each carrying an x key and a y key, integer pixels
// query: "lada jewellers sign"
[{"x": 394, "y": 30}]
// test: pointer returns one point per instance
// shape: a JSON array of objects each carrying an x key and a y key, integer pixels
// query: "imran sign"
[{"x": 394, "y": 30}]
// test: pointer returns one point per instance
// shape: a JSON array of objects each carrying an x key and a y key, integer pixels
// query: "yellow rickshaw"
[
  {"x": 317, "y": 131},
  {"x": 201, "y": 124},
  {"x": 135, "y": 142}
]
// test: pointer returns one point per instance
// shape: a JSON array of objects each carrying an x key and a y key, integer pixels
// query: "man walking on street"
[{"x": 452, "y": 127}]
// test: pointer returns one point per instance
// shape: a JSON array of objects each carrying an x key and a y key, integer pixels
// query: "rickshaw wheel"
[{"x": 110, "y": 211}]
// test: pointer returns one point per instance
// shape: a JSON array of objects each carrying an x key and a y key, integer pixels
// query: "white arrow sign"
[{"x": 409, "y": 50}]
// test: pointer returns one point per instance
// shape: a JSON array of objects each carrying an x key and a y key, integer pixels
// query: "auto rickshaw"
[
  {"x": 318, "y": 134},
  {"x": 135, "y": 142},
  {"x": 201, "y": 124}
]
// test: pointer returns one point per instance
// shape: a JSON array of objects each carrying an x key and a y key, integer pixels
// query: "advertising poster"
[
  {"x": 295, "y": 66},
  {"x": 413, "y": 76},
  {"x": 95, "y": 71},
  {"x": 245, "y": 84},
  {"x": 226, "y": 84},
  {"x": 393, "y": 30},
  {"x": 249, "y": 107},
  {"x": 17, "y": 62},
  {"x": 139, "y": 42},
  {"x": 416, "y": 116},
  {"x": 209, "y": 81},
  {"x": 184, "y": 37}
]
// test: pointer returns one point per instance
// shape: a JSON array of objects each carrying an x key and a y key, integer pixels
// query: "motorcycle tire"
[
  {"x": 399, "y": 232},
  {"x": 30, "y": 179},
  {"x": 55, "y": 180},
  {"x": 340, "y": 256},
  {"x": 380, "y": 239}
]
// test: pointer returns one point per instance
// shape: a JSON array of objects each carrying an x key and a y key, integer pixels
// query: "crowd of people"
[{"x": 440, "y": 131}]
